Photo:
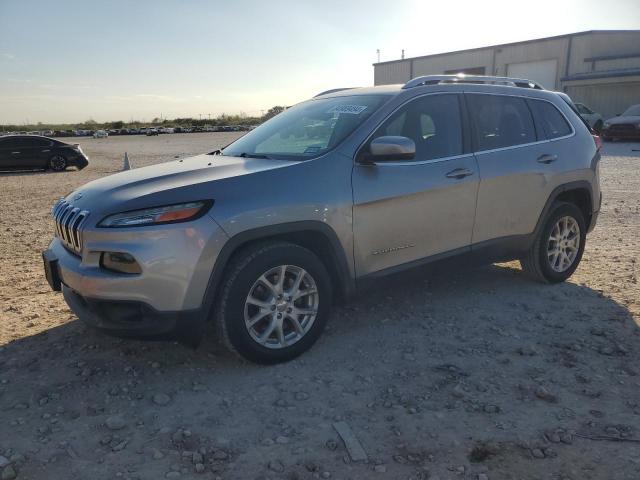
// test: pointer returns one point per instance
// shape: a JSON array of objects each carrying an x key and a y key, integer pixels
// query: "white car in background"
[
  {"x": 167, "y": 130},
  {"x": 594, "y": 119},
  {"x": 100, "y": 134}
]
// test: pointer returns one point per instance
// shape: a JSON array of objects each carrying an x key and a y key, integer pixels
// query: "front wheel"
[
  {"x": 57, "y": 163},
  {"x": 274, "y": 303},
  {"x": 558, "y": 247}
]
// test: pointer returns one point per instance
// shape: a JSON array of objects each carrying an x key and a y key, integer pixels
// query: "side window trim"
[
  {"x": 463, "y": 115},
  {"x": 541, "y": 135},
  {"x": 475, "y": 146}
]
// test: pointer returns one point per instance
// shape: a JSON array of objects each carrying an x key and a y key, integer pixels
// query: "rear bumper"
[
  {"x": 594, "y": 216},
  {"x": 79, "y": 162}
]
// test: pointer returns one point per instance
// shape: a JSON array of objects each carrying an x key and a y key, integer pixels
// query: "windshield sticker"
[
  {"x": 313, "y": 149},
  {"x": 351, "y": 109}
]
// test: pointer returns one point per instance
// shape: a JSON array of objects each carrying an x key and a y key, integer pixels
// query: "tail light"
[{"x": 598, "y": 141}]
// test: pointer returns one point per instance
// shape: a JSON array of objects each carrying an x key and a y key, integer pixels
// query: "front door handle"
[
  {"x": 459, "y": 173},
  {"x": 547, "y": 159},
  {"x": 15, "y": 153},
  {"x": 45, "y": 151}
]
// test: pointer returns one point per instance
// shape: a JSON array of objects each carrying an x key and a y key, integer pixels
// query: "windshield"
[
  {"x": 308, "y": 129},
  {"x": 632, "y": 111}
]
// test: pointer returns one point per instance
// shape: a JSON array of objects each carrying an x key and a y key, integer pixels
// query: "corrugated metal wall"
[
  {"x": 606, "y": 99},
  {"x": 390, "y": 73},
  {"x": 440, "y": 64},
  {"x": 599, "y": 44},
  {"x": 607, "y": 96}
]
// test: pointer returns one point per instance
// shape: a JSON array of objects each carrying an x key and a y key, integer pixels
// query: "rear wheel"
[
  {"x": 274, "y": 303},
  {"x": 557, "y": 250},
  {"x": 57, "y": 163}
]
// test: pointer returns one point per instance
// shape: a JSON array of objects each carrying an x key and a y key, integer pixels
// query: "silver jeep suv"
[{"x": 260, "y": 237}]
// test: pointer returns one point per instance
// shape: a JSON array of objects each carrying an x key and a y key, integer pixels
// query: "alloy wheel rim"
[
  {"x": 563, "y": 244},
  {"x": 281, "y": 307},
  {"x": 57, "y": 162}
]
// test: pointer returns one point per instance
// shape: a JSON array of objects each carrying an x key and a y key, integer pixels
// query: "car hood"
[
  {"x": 184, "y": 180},
  {"x": 623, "y": 119}
]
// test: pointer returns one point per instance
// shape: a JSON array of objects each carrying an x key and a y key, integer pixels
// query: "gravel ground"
[{"x": 466, "y": 374}]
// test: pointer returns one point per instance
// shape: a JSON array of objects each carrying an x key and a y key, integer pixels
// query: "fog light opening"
[{"x": 119, "y": 262}]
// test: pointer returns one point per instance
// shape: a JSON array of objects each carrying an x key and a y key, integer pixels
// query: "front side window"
[
  {"x": 553, "y": 122},
  {"x": 11, "y": 142},
  {"x": 500, "y": 121},
  {"x": 432, "y": 122},
  {"x": 307, "y": 130},
  {"x": 36, "y": 142}
]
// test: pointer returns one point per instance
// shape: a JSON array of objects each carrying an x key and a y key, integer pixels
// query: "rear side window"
[
  {"x": 432, "y": 122},
  {"x": 500, "y": 121},
  {"x": 553, "y": 123}
]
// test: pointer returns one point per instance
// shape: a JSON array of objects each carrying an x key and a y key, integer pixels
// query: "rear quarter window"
[
  {"x": 554, "y": 124},
  {"x": 500, "y": 121}
]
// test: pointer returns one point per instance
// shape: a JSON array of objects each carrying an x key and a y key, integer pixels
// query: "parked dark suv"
[
  {"x": 23, "y": 152},
  {"x": 349, "y": 186}
]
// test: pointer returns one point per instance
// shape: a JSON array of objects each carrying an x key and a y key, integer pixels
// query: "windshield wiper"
[{"x": 252, "y": 155}]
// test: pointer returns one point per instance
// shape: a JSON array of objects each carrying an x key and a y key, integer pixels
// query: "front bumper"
[
  {"x": 176, "y": 262},
  {"x": 620, "y": 133},
  {"x": 136, "y": 319}
]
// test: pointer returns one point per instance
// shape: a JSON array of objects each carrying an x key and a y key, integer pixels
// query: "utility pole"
[
  {"x": 378, "y": 52},
  {"x": 402, "y": 56}
]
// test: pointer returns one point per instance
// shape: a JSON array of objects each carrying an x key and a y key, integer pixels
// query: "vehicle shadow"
[
  {"x": 501, "y": 289},
  {"x": 30, "y": 173},
  {"x": 389, "y": 359}
]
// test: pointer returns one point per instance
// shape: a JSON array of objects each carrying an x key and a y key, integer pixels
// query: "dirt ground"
[{"x": 466, "y": 374}]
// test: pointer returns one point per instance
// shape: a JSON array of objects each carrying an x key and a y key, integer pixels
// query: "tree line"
[{"x": 220, "y": 120}]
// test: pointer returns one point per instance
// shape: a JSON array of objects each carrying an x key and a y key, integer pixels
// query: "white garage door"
[{"x": 544, "y": 72}]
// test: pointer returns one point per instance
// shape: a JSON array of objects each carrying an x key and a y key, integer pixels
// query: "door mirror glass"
[{"x": 390, "y": 148}]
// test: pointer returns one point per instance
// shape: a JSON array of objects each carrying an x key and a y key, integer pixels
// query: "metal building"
[{"x": 600, "y": 68}]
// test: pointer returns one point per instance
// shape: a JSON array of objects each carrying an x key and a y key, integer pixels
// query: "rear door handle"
[
  {"x": 15, "y": 153},
  {"x": 45, "y": 151},
  {"x": 547, "y": 159},
  {"x": 459, "y": 173}
]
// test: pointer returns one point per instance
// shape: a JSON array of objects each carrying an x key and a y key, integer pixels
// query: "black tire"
[
  {"x": 57, "y": 163},
  {"x": 536, "y": 263},
  {"x": 241, "y": 274}
]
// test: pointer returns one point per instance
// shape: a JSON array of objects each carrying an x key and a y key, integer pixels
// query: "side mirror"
[{"x": 390, "y": 148}]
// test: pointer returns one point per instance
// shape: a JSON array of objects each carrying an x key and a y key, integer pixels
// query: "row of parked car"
[
  {"x": 134, "y": 131},
  {"x": 625, "y": 125}
]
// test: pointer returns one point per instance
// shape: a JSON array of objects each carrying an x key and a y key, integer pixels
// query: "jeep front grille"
[{"x": 68, "y": 224}]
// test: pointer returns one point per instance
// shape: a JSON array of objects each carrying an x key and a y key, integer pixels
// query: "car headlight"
[{"x": 182, "y": 212}]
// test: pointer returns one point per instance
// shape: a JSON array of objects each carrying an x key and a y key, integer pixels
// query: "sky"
[{"x": 70, "y": 61}]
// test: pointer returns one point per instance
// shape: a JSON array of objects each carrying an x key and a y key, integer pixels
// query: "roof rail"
[
  {"x": 462, "y": 78},
  {"x": 333, "y": 90}
]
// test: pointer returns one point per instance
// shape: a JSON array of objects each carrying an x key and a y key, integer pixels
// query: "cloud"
[{"x": 7, "y": 56}]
